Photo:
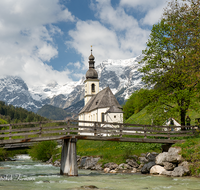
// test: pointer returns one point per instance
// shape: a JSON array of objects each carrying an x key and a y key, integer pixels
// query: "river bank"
[
  {"x": 28, "y": 174},
  {"x": 169, "y": 163}
]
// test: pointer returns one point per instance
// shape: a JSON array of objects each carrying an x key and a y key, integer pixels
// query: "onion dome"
[{"x": 91, "y": 73}]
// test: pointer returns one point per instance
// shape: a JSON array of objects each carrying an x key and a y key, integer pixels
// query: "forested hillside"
[
  {"x": 143, "y": 107},
  {"x": 55, "y": 113},
  {"x": 11, "y": 114}
]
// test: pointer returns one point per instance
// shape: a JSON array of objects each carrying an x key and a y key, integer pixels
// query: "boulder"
[
  {"x": 134, "y": 170},
  {"x": 124, "y": 167},
  {"x": 157, "y": 169},
  {"x": 132, "y": 163},
  {"x": 134, "y": 157},
  {"x": 97, "y": 167},
  {"x": 167, "y": 173},
  {"x": 113, "y": 171},
  {"x": 106, "y": 170},
  {"x": 146, "y": 168},
  {"x": 169, "y": 166},
  {"x": 171, "y": 156},
  {"x": 150, "y": 157},
  {"x": 140, "y": 166},
  {"x": 161, "y": 158},
  {"x": 142, "y": 160},
  {"x": 185, "y": 164},
  {"x": 180, "y": 171},
  {"x": 89, "y": 187},
  {"x": 88, "y": 162},
  {"x": 110, "y": 165},
  {"x": 50, "y": 161},
  {"x": 57, "y": 163}
]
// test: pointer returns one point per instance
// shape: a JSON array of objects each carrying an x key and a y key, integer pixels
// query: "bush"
[
  {"x": 3, "y": 154},
  {"x": 43, "y": 150}
]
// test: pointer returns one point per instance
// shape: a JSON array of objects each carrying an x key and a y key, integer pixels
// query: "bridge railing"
[{"x": 51, "y": 130}]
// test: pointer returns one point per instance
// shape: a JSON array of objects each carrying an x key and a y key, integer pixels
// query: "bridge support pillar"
[
  {"x": 69, "y": 158},
  {"x": 165, "y": 147}
]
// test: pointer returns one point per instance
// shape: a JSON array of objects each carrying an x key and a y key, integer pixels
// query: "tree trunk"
[{"x": 183, "y": 114}]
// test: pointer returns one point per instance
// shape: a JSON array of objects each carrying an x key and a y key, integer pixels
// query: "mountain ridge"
[{"x": 122, "y": 76}]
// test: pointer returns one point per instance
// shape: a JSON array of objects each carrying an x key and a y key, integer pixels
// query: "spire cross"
[{"x": 91, "y": 50}]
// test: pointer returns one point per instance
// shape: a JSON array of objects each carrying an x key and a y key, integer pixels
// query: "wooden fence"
[{"x": 88, "y": 130}]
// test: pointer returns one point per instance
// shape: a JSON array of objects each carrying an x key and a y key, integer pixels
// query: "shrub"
[
  {"x": 43, "y": 150},
  {"x": 3, "y": 154}
]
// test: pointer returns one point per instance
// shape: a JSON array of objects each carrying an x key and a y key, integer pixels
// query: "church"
[{"x": 100, "y": 106}]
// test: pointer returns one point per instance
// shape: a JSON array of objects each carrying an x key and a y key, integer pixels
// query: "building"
[{"x": 99, "y": 106}]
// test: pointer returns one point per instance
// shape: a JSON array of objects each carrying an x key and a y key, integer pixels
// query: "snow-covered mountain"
[{"x": 122, "y": 76}]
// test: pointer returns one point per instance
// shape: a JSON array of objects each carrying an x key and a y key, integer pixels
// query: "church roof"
[
  {"x": 103, "y": 99},
  {"x": 114, "y": 109}
]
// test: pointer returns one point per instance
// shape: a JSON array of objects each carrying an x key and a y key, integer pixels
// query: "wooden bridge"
[{"x": 71, "y": 130}]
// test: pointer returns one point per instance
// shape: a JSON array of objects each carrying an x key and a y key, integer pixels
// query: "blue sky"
[{"x": 49, "y": 40}]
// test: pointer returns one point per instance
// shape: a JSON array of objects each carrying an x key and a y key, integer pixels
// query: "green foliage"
[
  {"x": 149, "y": 116},
  {"x": 11, "y": 114},
  {"x": 116, "y": 152},
  {"x": 2, "y": 121},
  {"x": 10, "y": 153},
  {"x": 43, "y": 150},
  {"x": 54, "y": 113},
  {"x": 137, "y": 101},
  {"x": 3, "y": 154},
  {"x": 191, "y": 153},
  {"x": 142, "y": 117},
  {"x": 172, "y": 58}
]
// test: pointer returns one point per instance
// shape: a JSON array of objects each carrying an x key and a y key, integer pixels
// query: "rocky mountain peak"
[{"x": 122, "y": 76}]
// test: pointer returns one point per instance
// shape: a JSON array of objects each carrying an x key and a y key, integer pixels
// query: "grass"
[
  {"x": 116, "y": 152},
  {"x": 143, "y": 117},
  {"x": 191, "y": 153}
]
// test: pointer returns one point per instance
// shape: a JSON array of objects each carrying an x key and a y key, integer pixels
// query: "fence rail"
[{"x": 89, "y": 130}]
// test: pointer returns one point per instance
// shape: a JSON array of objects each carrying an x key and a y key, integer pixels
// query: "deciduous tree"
[{"x": 172, "y": 56}]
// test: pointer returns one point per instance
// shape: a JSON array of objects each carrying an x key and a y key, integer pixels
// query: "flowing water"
[{"x": 24, "y": 174}]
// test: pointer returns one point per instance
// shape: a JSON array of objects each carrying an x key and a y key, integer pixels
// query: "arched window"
[{"x": 93, "y": 87}]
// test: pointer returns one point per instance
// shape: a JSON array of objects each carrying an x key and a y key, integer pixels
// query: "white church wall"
[{"x": 114, "y": 117}]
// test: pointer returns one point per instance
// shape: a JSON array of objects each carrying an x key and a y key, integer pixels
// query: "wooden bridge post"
[
  {"x": 40, "y": 135},
  {"x": 120, "y": 131},
  {"x": 145, "y": 133},
  {"x": 95, "y": 129},
  {"x": 68, "y": 127},
  {"x": 10, "y": 129},
  {"x": 69, "y": 158}
]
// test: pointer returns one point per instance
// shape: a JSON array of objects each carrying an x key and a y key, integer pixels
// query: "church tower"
[{"x": 92, "y": 81}]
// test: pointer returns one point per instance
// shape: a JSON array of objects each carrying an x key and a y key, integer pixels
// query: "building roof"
[
  {"x": 103, "y": 99},
  {"x": 114, "y": 109}
]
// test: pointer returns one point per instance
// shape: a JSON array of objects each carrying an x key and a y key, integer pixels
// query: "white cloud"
[
  {"x": 142, "y": 5},
  {"x": 117, "y": 35},
  {"x": 77, "y": 64},
  {"x": 103, "y": 40},
  {"x": 46, "y": 52},
  {"x": 25, "y": 41},
  {"x": 153, "y": 9}
]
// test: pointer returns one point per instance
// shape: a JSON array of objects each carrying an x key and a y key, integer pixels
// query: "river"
[{"x": 24, "y": 174}]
